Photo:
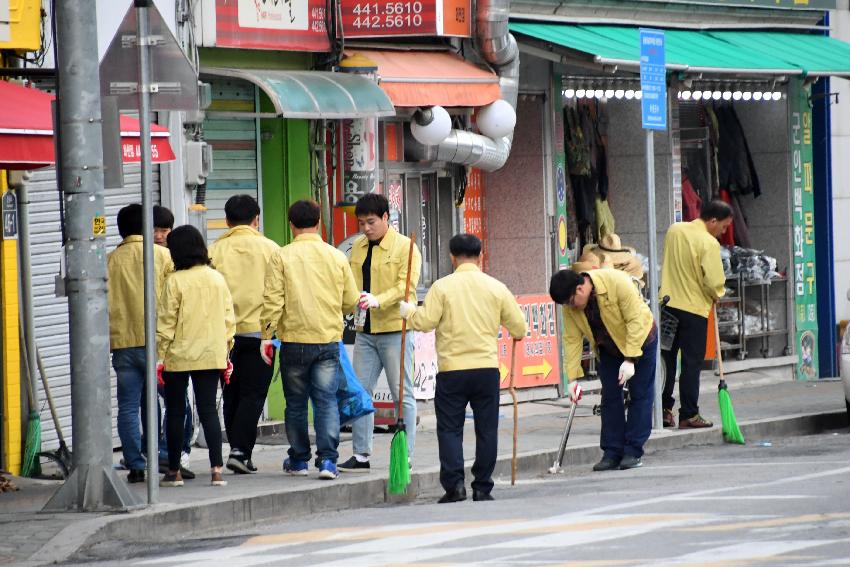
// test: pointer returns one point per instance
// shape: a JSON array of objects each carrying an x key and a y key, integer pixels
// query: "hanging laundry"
[{"x": 691, "y": 202}]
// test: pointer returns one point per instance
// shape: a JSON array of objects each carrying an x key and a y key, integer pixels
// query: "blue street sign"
[{"x": 653, "y": 80}]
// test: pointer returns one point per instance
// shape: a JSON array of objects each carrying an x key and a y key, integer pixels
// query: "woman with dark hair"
[{"x": 194, "y": 332}]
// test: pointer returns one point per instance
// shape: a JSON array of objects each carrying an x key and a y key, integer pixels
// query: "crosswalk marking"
[
  {"x": 769, "y": 523},
  {"x": 740, "y": 552}
]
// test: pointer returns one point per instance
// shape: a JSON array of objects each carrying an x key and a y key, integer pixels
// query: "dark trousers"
[
  {"x": 205, "y": 383},
  {"x": 480, "y": 388},
  {"x": 621, "y": 434},
  {"x": 690, "y": 341},
  {"x": 243, "y": 398}
]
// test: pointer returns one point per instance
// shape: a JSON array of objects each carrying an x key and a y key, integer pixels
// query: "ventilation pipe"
[{"x": 499, "y": 48}]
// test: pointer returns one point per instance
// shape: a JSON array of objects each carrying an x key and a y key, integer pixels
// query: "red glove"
[
  {"x": 159, "y": 368},
  {"x": 267, "y": 351},
  {"x": 226, "y": 373}
]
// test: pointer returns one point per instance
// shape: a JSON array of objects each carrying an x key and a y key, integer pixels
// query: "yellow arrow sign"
[
  {"x": 545, "y": 369},
  {"x": 503, "y": 372}
]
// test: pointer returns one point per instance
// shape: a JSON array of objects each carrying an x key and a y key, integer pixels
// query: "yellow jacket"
[
  {"x": 126, "y": 289},
  {"x": 389, "y": 270},
  {"x": 241, "y": 255},
  {"x": 195, "y": 322},
  {"x": 624, "y": 314},
  {"x": 467, "y": 308},
  {"x": 692, "y": 272},
  {"x": 309, "y": 286}
]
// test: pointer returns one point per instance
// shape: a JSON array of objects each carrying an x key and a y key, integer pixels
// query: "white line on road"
[{"x": 732, "y": 553}]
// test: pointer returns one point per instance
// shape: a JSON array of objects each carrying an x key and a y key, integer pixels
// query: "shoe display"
[
  {"x": 630, "y": 462},
  {"x": 216, "y": 480},
  {"x": 606, "y": 464},
  {"x": 354, "y": 466},
  {"x": 695, "y": 422},
  {"x": 668, "y": 420},
  {"x": 481, "y": 496},
  {"x": 293, "y": 467},
  {"x": 171, "y": 479},
  {"x": 236, "y": 462},
  {"x": 136, "y": 476},
  {"x": 456, "y": 495},
  {"x": 328, "y": 470}
]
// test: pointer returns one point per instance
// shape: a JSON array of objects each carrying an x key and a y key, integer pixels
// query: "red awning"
[{"x": 26, "y": 131}]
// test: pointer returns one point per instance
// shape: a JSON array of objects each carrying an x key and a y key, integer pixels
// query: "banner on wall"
[
  {"x": 473, "y": 211},
  {"x": 803, "y": 222},
  {"x": 289, "y": 25},
  {"x": 560, "y": 158}
]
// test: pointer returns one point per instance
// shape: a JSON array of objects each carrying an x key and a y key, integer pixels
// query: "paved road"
[{"x": 784, "y": 504}]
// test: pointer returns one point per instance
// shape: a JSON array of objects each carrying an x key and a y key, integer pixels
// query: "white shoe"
[{"x": 184, "y": 460}]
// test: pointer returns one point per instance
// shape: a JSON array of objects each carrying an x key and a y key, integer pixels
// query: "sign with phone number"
[{"x": 409, "y": 17}]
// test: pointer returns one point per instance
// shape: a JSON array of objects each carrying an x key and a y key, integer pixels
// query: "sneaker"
[
  {"x": 250, "y": 465},
  {"x": 184, "y": 460},
  {"x": 606, "y": 464},
  {"x": 355, "y": 466},
  {"x": 217, "y": 480},
  {"x": 171, "y": 479},
  {"x": 630, "y": 462},
  {"x": 695, "y": 422},
  {"x": 293, "y": 467},
  {"x": 327, "y": 471},
  {"x": 136, "y": 476},
  {"x": 186, "y": 473},
  {"x": 668, "y": 420},
  {"x": 236, "y": 463}
]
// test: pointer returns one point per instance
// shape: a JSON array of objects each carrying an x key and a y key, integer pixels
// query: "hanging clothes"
[
  {"x": 737, "y": 171},
  {"x": 691, "y": 202},
  {"x": 728, "y": 237},
  {"x": 742, "y": 231},
  {"x": 605, "y": 223}
]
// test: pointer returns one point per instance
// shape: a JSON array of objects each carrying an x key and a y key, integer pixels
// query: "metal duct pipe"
[{"x": 499, "y": 48}]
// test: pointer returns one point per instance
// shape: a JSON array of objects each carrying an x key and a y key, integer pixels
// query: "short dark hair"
[
  {"x": 130, "y": 220},
  {"x": 241, "y": 209},
  {"x": 562, "y": 286},
  {"x": 162, "y": 217},
  {"x": 715, "y": 209},
  {"x": 187, "y": 247},
  {"x": 465, "y": 246},
  {"x": 304, "y": 213},
  {"x": 372, "y": 204}
]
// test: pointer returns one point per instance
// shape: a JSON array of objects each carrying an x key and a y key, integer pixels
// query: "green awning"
[
  {"x": 315, "y": 94},
  {"x": 740, "y": 52}
]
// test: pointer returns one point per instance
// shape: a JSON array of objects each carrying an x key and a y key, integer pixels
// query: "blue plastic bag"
[{"x": 352, "y": 399}]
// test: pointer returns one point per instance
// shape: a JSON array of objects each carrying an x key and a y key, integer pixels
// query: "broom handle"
[
  {"x": 404, "y": 330},
  {"x": 717, "y": 343},
  {"x": 516, "y": 411}
]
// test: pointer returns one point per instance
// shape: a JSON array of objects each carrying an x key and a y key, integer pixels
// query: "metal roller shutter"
[
  {"x": 234, "y": 143},
  {"x": 51, "y": 312}
]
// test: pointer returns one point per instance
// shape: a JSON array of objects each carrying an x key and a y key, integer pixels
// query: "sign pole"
[{"x": 653, "y": 84}]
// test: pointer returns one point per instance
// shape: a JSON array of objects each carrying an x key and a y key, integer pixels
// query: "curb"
[{"x": 161, "y": 522}]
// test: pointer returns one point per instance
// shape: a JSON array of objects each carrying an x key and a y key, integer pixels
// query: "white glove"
[
  {"x": 368, "y": 301},
  {"x": 575, "y": 392},
  {"x": 267, "y": 351},
  {"x": 627, "y": 370},
  {"x": 407, "y": 309}
]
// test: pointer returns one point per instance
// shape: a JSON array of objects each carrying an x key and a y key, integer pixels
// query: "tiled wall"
[{"x": 840, "y": 22}]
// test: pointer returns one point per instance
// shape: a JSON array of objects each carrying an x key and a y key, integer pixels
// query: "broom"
[
  {"x": 399, "y": 465},
  {"x": 31, "y": 465},
  {"x": 731, "y": 431}
]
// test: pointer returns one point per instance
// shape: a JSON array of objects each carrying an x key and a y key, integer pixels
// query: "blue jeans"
[
  {"x": 309, "y": 373},
  {"x": 129, "y": 365},
  {"x": 373, "y": 353},
  {"x": 623, "y": 435},
  {"x": 188, "y": 428}
]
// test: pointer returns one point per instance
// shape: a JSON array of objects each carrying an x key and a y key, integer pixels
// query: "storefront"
[{"x": 740, "y": 127}]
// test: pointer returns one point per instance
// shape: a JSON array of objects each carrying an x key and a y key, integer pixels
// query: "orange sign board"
[{"x": 538, "y": 359}]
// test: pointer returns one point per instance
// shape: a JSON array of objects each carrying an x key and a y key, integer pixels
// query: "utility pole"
[{"x": 92, "y": 485}]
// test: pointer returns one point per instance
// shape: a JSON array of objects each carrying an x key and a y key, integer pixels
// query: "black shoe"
[
  {"x": 250, "y": 464},
  {"x": 355, "y": 466},
  {"x": 236, "y": 463},
  {"x": 136, "y": 476},
  {"x": 187, "y": 474},
  {"x": 481, "y": 496},
  {"x": 456, "y": 495},
  {"x": 606, "y": 464},
  {"x": 630, "y": 462}
]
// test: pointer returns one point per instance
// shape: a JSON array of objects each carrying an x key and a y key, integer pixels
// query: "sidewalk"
[{"x": 766, "y": 405}]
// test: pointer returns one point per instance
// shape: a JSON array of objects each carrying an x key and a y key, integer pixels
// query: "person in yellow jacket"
[
  {"x": 604, "y": 307},
  {"x": 467, "y": 308},
  {"x": 379, "y": 262},
  {"x": 692, "y": 277},
  {"x": 127, "y": 331},
  {"x": 309, "y": 287},
  {"x": 194, "y": 331},
  {"x": 241, "y": 255}
]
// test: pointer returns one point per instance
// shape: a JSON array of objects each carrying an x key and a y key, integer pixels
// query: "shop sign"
[
  {"x": 538, "y": 357},
  {"x": 653, "y": 80},
  {"x": 294, "y": 25},
  {"x": 473, "y": 211},
  {"x": 560, "y": 179},
  {"x": 396, "y": 200},
  {"x": 383, "y": 18},
  {"x": 783, "y": 4},
  {"x": 10, "y": 216},
  {"x": 359, "y": 158},
  {"x": 803, "y": 221}
]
